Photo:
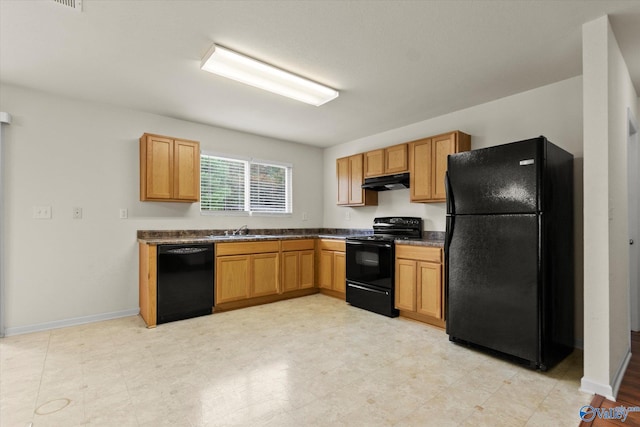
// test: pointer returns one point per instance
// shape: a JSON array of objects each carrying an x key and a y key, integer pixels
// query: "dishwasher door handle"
[{"x": 186, "y": 251}]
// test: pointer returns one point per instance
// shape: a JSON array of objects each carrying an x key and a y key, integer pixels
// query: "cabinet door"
[
  {"x": 429, "y": 289},
  {"x": 374, "y": 163},
  {"x": 420, "y": 169},
  {"x": 396, "y": 159},
  {"x": 325, "y": 275},
  {"x": 290, "y": 271},
  {"x": 339, "y": 272},
  {"x": 232, "y": 278},
  {"x": 187, "y": 170},
  {"x": 307, "y": 268},
  {"x": 442, "y": 146},
  {"x": 356, "y": 193},
  {"x": 406, "y": 273},
  {"x": 264, "y": 274},
  {"x": 159, "y": 168},
  {"x": 342, "y": 172}
]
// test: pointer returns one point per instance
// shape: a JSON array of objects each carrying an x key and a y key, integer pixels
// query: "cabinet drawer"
[
  {"x": 297, "y": 245},
  {"x": 240, "y": 248},
  {"x": 420, "y": 253},
  {"x": 332, "y": 245}
]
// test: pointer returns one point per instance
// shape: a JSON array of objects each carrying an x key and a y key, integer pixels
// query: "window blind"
[
  {"x": 268, "y": 192},
  {"x": 228, "y": 184},
  {"x": 222, "y": 184}
]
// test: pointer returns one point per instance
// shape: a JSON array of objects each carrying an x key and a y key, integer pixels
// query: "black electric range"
[{"x": 370, "y": 263}]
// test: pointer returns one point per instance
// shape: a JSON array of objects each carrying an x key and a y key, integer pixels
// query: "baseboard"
[
  {"x": 617, "y": 380},
  {"x": 592, "y": 387},
  {"x": 70, "y": 322},
  {"x": 608, "y": 391}
]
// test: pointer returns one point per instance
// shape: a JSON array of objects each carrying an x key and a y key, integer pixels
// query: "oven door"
[{"x": 370, "y": 263}]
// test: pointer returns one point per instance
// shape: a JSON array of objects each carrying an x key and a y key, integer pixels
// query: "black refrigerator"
[{"x": 509, "y": 251}]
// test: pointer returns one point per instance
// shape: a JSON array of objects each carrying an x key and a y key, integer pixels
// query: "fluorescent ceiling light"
[{"x": 227, "y": 63}]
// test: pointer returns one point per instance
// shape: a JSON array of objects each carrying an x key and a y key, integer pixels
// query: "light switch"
[{"x": 124, "y": 214}]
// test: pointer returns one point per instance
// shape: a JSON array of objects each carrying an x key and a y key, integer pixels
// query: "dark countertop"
[
  {"x": 178, "y": 237},
  {"x": 230, "y": 239},
  {"x": 436, "y": 243},
  {"x": 168, "y": 237}
]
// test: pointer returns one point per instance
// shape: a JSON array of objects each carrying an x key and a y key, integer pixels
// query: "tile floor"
[{"x": 312, "y": 361}]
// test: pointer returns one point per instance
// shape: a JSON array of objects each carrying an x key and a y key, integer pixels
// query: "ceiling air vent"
[{"x": 74, "y": 4}]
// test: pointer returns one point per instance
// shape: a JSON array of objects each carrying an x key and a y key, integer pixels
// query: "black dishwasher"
[{"x": 185, "y": 281}]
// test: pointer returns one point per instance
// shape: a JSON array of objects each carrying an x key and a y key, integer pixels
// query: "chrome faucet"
[{"x": 240, "y": 229}]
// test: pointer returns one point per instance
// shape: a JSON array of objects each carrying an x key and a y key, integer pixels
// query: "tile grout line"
[
  {"x": 489, "y": 398},
  {"x": 556, "y": 381},
  {"x": 126, "y": 384},
  {"x": 44, "y": 363}
]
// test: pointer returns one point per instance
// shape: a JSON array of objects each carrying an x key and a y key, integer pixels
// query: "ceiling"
[{"x": 394, "y": 62}]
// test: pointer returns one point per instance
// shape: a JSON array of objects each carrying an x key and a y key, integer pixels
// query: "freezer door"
[
  {"x": 500, "y": 179},
  {"x": 492, "y": 282}
]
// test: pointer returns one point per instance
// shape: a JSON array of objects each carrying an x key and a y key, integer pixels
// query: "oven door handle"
[
  {"x": 372, "y": 243},
  {"x": 368, "y": 289}
]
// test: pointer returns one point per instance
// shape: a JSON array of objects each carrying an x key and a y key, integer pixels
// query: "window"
[{"x": 235, "y": 185}]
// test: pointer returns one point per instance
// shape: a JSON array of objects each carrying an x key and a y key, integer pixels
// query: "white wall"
[
  {"x": 608, "y": 92},
  {"x": 554, "y": 111},
  {"x": 65, "y": 153}
]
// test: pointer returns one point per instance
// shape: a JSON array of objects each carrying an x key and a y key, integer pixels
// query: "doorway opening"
[{"x": 633, "y": 189}]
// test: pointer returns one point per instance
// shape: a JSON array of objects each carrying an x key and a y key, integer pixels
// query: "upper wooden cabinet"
[
  {"x": 169, "y": 169},
  {"x": 374, "y": 163},
  {"x": 349, "y": 171},
  {"x": 386, "y": 161},
  {"x": 428, "y": 164}
]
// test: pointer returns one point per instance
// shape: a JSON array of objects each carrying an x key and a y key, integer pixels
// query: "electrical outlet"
[
  {"x": 42, "y": 212},
  {"x": 347, "y": 215},
  {"x": 305, "y": 216},
  {"x": 77, "y": 213},
  {"x": 124, "y": 214}
]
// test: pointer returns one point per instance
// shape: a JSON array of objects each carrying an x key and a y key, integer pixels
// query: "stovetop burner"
[
  {"x": 388, "y": 229},
  {"x": 381, "y": 237}
]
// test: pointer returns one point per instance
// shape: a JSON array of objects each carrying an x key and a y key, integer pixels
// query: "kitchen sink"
[{"x": 240, "y": 237}]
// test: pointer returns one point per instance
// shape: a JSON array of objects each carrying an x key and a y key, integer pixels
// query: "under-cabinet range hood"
[{"x": 387, "y": 182}]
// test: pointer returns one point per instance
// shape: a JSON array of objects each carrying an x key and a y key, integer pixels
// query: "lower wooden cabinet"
[
  {"x": 298, "y": 264},
  {"x": 232, "y": 278},
  {"x": 147, "y": 283},
  {"x": 264, "y": 271},
  {"x": 250, "y": 273},
  {"x": 246, "y": 270},
  {"x": 419, "y": 279},
  {"x": 332, "y": 276}
]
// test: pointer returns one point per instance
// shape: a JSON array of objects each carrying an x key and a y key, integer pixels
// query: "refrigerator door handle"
[
  {"x": 447, "y": 243},
  {"x": 450, "y": 203},
  {"x": 449, "y": 233}
]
